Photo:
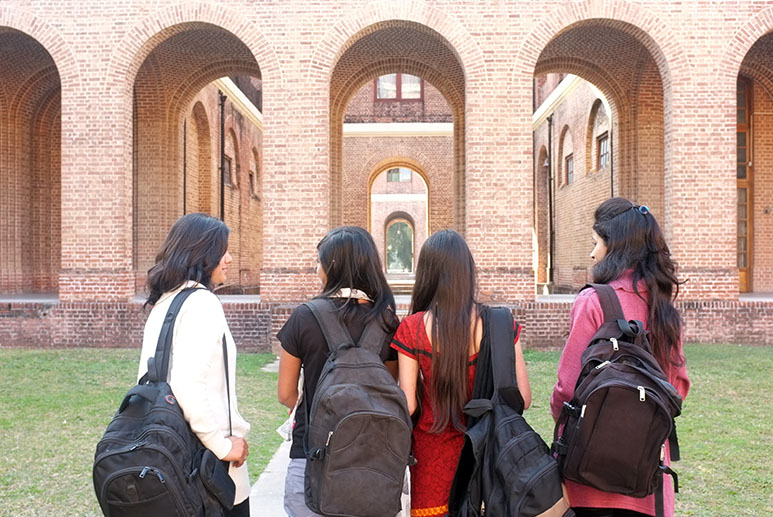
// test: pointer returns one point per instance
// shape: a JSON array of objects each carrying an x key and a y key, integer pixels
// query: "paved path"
[{"x": 267, "y": 494}]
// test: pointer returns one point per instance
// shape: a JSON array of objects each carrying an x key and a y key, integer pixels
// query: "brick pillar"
[
  {"x": 700, "y": 194},
  {"x": 96, "y": 194}
]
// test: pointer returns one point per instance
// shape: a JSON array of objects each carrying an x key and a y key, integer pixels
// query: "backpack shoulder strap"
[
  {"x": 373, "y": 337},
  {"x": 326, "y": 314},
  {"x": 158, "y": 365},
  {"x": 500, "y": 322},
  {"x": 610, "y": 303}
]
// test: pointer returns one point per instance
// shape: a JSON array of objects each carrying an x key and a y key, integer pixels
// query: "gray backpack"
[{"x": 358, "y": 439}]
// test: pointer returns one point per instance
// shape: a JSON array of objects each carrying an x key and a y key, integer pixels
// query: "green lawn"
[
  {"x": 55, "y": 404},
  {"x": 725, "y": 431}
]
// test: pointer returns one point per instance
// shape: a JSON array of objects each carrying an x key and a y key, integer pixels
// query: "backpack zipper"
[{"x": 170, "y": 490}]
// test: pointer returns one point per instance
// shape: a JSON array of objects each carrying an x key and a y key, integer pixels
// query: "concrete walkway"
[{"x": 267, "y": 494}]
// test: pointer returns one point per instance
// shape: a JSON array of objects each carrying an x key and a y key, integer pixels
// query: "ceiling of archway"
[
  {"x": 606, "y": 54},
  {"x": 187, "y": 61},
  {"x": 398, "y": 46}
]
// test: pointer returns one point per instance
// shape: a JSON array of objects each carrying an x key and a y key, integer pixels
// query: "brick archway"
[
  {"x": 390, "y": 47},
  {"x": 364, "y": 45},
  {"x": 167, "y": 82},
  {"x": 233, "y": 45},
  {"x": 30, "y": 157},
  {"x": 34, "y": 84},
  {"x": 749, "y": 55}
]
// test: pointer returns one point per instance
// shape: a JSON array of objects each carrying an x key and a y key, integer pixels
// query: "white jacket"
[{"x": 196, "y": 372}]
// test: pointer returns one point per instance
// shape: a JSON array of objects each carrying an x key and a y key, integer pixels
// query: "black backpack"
[
  {"x": 358, "y": 440},
  {"x": 622, "y": 412},
  {"x": 505, "y": 468},
  {"x": 149, "y": 462}
]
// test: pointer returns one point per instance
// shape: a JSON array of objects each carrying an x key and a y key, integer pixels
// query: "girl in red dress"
[{"x": 438, "y": 345}]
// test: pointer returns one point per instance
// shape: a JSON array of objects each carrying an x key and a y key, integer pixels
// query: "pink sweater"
[{"x": 586, "y": 318}]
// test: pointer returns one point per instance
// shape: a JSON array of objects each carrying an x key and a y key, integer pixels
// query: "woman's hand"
[{"x": 239, "y": 451}]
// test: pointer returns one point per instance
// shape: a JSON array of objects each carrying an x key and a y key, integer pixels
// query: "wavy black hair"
[
  {"x": 634, "y": 241},
  {"x": 349, "y": 258},
  {"x": 191, "y": 251}
]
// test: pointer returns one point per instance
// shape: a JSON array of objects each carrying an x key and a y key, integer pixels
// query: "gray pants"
[{"x": 295, "y": 500}]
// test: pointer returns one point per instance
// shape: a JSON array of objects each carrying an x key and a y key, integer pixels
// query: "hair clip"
[{"x": 643, "y": 209}]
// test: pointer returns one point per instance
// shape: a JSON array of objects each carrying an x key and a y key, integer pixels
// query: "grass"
[
  {"x": 55, "y": 404},
  {"x": 725, "y": 430}
]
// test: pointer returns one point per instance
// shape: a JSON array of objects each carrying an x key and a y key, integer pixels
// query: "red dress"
[{"x": 436, "y": 453}]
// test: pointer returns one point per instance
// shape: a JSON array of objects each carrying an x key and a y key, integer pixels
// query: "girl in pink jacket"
[{"x": 631, "y": 255}]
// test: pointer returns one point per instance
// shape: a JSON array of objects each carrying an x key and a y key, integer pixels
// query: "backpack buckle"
[{"x": 317, "y": 454}]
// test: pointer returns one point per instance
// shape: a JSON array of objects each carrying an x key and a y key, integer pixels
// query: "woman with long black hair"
[
  {"x": 350, "y": 270},
  {"x": 438, "y": 345},
  {"x": 195, "y": 254},
  {"x": 631, "y": 255}
]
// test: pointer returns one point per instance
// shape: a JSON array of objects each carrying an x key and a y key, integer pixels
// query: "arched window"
[
  {"x": 399, "y": 246},
  {"x": 598, "y": 143},
  {"x": 254, "y": 173},
  {"x": 566, "y": 158}
]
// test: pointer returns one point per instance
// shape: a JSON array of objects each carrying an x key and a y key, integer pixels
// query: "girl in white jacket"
[{"x": 195, "y": 254}]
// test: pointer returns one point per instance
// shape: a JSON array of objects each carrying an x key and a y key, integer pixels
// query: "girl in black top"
[{"x": 350, "y": 270}]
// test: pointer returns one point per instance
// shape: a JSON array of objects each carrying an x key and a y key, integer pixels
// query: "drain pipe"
[
  {"x": 611, "y": 157},
  {"x": 550, "y": 200},
  {"x": 185, "y": 163},
  {"x": 222, "y": 154}
]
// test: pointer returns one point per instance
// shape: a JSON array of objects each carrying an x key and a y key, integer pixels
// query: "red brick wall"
[
  {"x": 365, "y": 108},
  {"x": 669, "y": 69},
  {"x": 254, "y": 325},
  {"x": 365, "y": 156}
]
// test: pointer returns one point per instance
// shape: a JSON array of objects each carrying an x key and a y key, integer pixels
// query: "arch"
[
  {"x": 561, "y": 171},
  {"x": 30, "y": 158},
  {"x": 399, "y": 214},
  {"x": 256, "y": 172},
  {"x": 203, "y": 190},
  {"x": 341, "y": 36},
  {"x": 376, "y": 169},
  {"x": 749, "y": 63},
  {"x": 49, "y": 38},
  {"x": 594, "y": 120},
  {"x": 232, "y": 144},
  {"x": 145, "y": 36},
  {"x": 741, "y": 43},
  {"x": 388, "y": 47},
  {"x": 165, "y": 84},
  {"x": 643, "y": 25}
]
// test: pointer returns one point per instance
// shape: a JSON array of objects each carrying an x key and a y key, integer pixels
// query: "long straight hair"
[
  {"x": 445, "y": 286},
  {"x": 634, "y": 241},
  {"x": 191, "y": 251},
  {"x": 349, "y": 258}
]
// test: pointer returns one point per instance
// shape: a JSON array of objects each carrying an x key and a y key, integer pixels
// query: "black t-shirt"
[{"x": 301, "y": 337}]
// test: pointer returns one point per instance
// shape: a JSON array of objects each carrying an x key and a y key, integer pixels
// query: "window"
[
  {"x": 603, "y": 147},
  {"x": 399, "y": 87},
  {"x": 227, "y": 171},
  {"x": 253, "y": 183},
  {"x": 399, "y": 175},
  {"x": 569, "y": 169}
]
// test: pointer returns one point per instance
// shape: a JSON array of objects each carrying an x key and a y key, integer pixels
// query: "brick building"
[{"x": 110, "y": 122}]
